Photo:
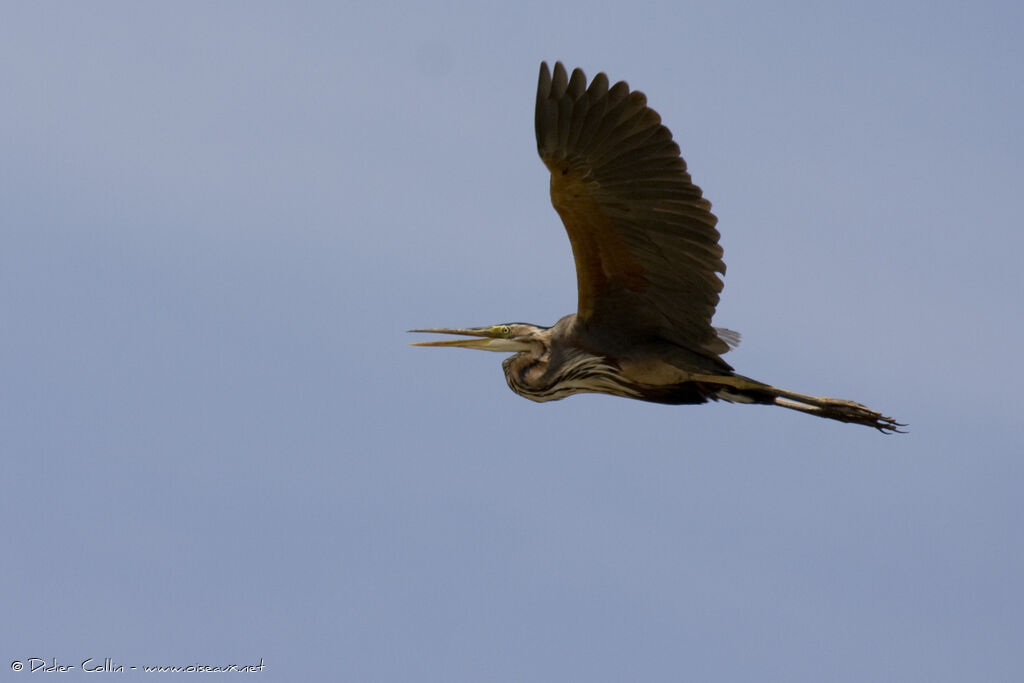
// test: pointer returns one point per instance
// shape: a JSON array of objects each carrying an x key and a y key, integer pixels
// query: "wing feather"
[{"x": 643, "y": 236}]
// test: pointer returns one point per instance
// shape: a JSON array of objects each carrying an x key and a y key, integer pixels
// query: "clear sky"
[{"x": 217, "y": 220}]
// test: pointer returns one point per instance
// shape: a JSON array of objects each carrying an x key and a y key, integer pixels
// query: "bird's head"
[{"x": 506, "y": 338}]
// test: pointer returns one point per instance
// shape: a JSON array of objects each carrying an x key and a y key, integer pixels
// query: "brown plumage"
[
  {"x": 643, "y": 236},
  {"x": 647, "y": 266}
]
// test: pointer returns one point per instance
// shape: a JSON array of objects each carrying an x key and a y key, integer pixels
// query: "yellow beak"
[{"x": 487, "y": 339}]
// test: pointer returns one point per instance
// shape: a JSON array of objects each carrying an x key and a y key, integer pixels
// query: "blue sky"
[{"x": 219, "y": 220}]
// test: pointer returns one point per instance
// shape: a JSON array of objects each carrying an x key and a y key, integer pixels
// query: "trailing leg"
[{"x": 739, "y": 389}]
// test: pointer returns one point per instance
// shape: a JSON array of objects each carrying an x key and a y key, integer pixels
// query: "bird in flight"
[{"x": 647, "y": 264}]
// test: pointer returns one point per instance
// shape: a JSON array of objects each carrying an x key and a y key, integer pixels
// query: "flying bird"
[{"x": 647, "y": 267}]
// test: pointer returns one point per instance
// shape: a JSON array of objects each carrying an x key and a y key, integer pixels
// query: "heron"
[{"x": 647, "y": 260}]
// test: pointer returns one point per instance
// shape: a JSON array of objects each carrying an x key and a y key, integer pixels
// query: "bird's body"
[
  {"x": 643, "y": 371},
  {"x": 647, "y": 264}
]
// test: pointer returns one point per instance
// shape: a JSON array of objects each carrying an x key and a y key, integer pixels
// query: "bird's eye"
[{"x": 505, "y": 329}]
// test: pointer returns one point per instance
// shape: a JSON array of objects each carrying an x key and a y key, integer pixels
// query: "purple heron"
[{"x": 647, "y": 264}]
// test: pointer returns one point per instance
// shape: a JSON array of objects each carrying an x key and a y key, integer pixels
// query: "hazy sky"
[{"x": 218, "y": 220}]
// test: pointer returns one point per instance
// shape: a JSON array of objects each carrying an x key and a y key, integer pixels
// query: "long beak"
[{"x": 488, "y": 339}]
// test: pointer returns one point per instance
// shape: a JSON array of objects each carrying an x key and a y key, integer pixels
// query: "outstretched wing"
[{"x": 643, "y": 237}]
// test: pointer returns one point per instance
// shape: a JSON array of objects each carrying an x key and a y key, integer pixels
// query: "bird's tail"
[{"x": 740, "y": 389}]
